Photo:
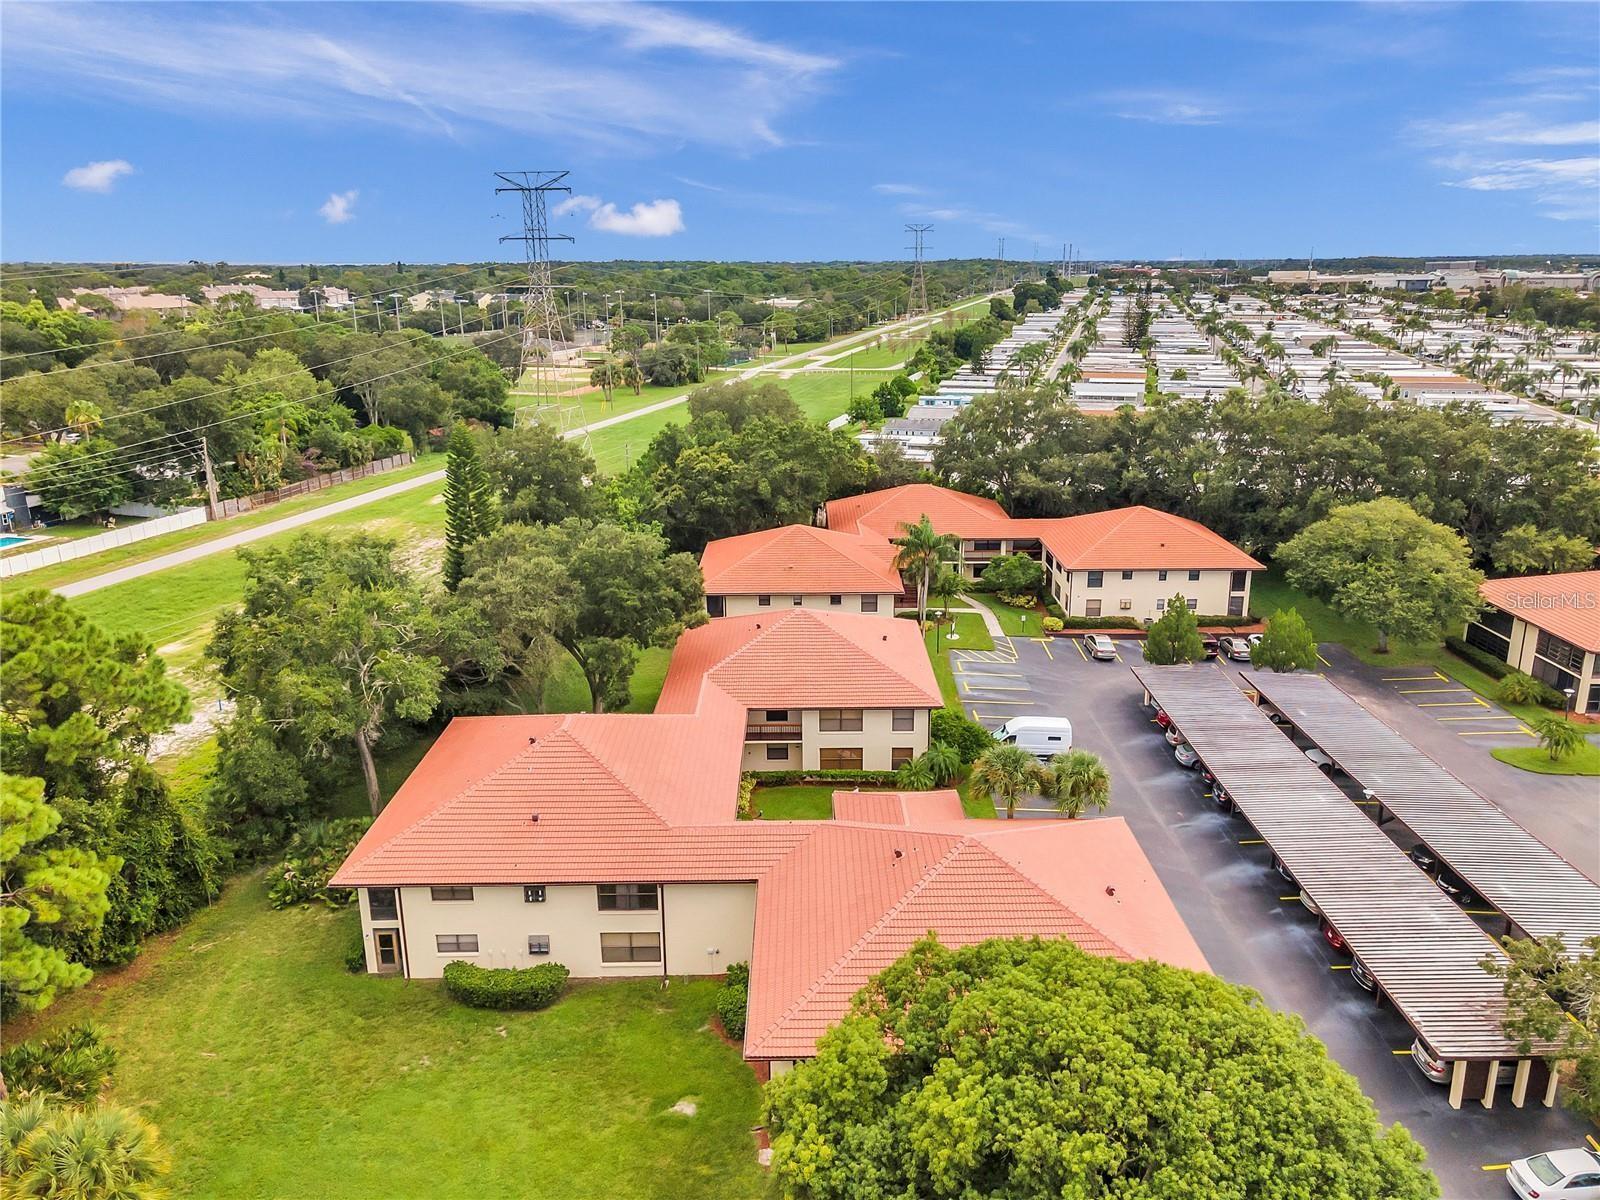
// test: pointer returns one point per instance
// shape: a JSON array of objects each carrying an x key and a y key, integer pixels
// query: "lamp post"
[{"x": 1571, "y": 694}]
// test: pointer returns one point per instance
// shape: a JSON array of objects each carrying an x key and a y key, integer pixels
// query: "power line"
[{"x": 538, "y": 344}]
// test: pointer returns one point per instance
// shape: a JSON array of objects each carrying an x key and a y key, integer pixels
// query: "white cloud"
[
  {"x": 658, "y": 218},
  {"x": 1511, "y": 129},
  {"x": 97, "y": 176},
  {"x": 1166, "y": 107},
  {"x": 664, "y": 79},
  {"x": 339, "y": 207},
  {"x": 897, "y": 189},
  {"x": 962, "y": 214}
]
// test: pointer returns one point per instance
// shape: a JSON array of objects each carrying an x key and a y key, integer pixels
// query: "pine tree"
[
  {"x": 1175, "y": 638},
  {"x": 1286, "y": 645},
  {"x": 470, "y": 511}
]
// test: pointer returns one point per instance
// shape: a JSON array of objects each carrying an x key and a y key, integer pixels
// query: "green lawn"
[
  {"x": 1012, "y": 620},
  {"x": 1535, "y": 758},
  {"x": 970, "y": 635},
  {"x": 122, "y": 556},
  {"x": 801, "y": 802},
  {"x": 272, "y": 1072}
]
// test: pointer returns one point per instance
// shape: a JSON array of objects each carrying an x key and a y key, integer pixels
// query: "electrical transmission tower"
[
  {"x": 541, "y": 322},
  {"x": 917, "y": 302},
  {"x": 999, "y": 280}
]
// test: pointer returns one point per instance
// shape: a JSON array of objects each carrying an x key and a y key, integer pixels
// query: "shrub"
[
  {"x": 1052, "y": 625},
  {"x": 72, "y": 1065},
  {"x": 1015, "y": 600},
  {"x": 314, "y": 854},
  {"x": 1100, "y": 623},
  {"x": 1520, "y": 688},
  {"x": 1487, "y": 663},
  {"x": 1014, "y": 575},
  {"x": 747, "y": 793},
  {"x": 505, "y": 987},
  {"x": 785, "y": 778},
  {"x": 1223, "y": 621},
  {"x": 355, "y": 958},
  {"x": 733, "y": 999},
  {"x": 955, "y": 729}
]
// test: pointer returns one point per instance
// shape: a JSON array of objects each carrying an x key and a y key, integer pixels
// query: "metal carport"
[
  {"x": 1539, "y": 892},
  {"x": 1422, "y": 951}
]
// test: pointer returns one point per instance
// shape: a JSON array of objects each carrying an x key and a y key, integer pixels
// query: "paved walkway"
[
  {"x": 244, "y": 537},
  {"x": 990, "y": 621}
]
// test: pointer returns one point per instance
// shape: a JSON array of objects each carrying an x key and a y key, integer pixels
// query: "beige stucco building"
[
  {"x": 799, "y": 566},
  {"x": 834, "y": 739},
  {"x": 1549, "y": 627}
]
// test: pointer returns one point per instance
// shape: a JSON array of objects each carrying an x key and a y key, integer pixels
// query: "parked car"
[
  {"x": 1556, "y": 1175},
  {"x": 1236, "y": 648},
  {"x": 1455, "y": 889},
  {"x": 1282, "y": 870},
  {"x": 1309, "y": 904},
  {"x": 1363, "y": 977},
  {"x": 1162, "y": 719},
  {"x": 1331, "y": 936},
  {"x": 1437, "y": 1069},
  {"x": 1254, "y": 639},
  {"x": 1423, "y": 857},
  {"x": 1209, "y": 641},
  {"x": 1100, "y": 646},
  {"x": 1042, "y": 737},
  {"x": 1324, "y": 763},
  {"x": 1221, "y": 799},
  {"x": 1186, "y": 756},
  {"x": 1173, "y": 736}
]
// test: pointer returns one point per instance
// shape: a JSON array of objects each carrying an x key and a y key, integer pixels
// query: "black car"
[
  {"x": 1363, "y": 977},
  {"x": 1455, "y": 889},
  {"x": 1210, "y": 643}
]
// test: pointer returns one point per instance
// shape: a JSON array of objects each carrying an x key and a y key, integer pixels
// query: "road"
[{"x": 233, "y": 541}]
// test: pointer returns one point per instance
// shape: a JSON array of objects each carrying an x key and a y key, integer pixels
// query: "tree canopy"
[
  {"x": 1174, "y": 636},
  {"x": 1024, "y": 1069},
  {"x": 1286, "y": 644}
]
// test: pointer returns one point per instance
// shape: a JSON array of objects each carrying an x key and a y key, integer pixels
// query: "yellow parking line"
[
  {"x": 1589, "y": 1137},
  {"x": 1425, "y": 691},
  {"x": 1398, "y": 1053},
  {"x": 1079, "y": 646},
  {"x": 1491, "y": 717},
  {"x": 1408, "y": 678},
  {"x": 1288, "y": 897},
  {"x": 1323, "y": 661},
  {"x": 1048, "y": 653},
  {"x": 992, "y": 687},
  {"x": 1452, "y": 704},
  {"x": 1481, "y": 912},
  {"x": 1253, "y": 841},
  {"x": 1487, "y": 732},
  {"x": 991, "y": 701},
  {"x": 1526, "y": 730},
  {"x": 1496, "y": 1166},
  {"x": 1345, "y": 967}
]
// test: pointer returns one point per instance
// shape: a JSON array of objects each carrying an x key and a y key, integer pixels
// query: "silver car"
[
  {"x": 1557, "y": 1174},
  {"x": 1100, "y": 646}
]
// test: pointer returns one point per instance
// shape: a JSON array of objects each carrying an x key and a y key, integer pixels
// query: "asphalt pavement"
[{"x": 1244, "y": 915}]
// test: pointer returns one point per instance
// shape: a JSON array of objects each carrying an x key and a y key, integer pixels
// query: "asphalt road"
[{"x": 1229, "y": 895}]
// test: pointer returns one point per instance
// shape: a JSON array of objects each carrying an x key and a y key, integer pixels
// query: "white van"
[{"x": 1042, "y": 737}]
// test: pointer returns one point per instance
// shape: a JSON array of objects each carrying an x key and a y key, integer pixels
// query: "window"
[
  {"x": 626, "y": 897},
  {"x": 986, "y": 544},
  {"x": 716, "y": 606},
  {"x": 1091, "y": 608},
  {"x": 1162, "y": 576},
  {"x": 1127, "y": 574},
  {"x": 1236, "y": 606},
  {"x": 1161, "y": 605},
  {"x": 835, "y": 601},
  {"x": 630, "y": 947},
  {"x": 796, "y": 600},
  {"x": 456, "y": 943},
  {"x": 533, "y": 893},
  {"x": 383, "y": 904},
  {"x": 839, "y": 720},
  {"x": 764, "y": 601},
  {"x": 538, "y": 943},
  {"x": 1487, "y": 640},
  {"x": 777, "y": 754},
  {"x": 1562, "y": 653},
  {"x": 1193, "y": 576},
  {"x": 451, "y": 893},
  {"x": 900, "y": 756},
  {"x": 840, "y": 758},
  {"x": 1236, "y": 582},
  {"x": 1096, "y": 579},
  {"x": 902, "y": 719},
  {"x": 777, "y": 716},
  {"x": 869, "y": 604},
  {"x": 1593, "y": 704},
  {"x": 1194, "y": 605}
]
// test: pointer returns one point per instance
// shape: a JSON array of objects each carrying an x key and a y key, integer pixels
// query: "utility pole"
[
  {"x": 355, "y": 303},
  {"x": 461, "y": 317},
  {"x": 708, "y": 303},
  {"x": 538, "y": 343},
  {"x": 655, "y": 318},
  {"x": 443, "y": 328},
  {"x": 917, "y": 301},
  {"x": 395, "y": 296},
  {"x": 211, "y": 480}
]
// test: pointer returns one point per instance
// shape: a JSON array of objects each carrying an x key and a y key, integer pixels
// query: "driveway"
[
  {"x": 1563, "y": 811},
  {"x": 1250, "y": 927}
]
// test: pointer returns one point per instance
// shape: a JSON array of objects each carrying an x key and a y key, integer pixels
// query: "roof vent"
[
  {"x": 533, "y": 741},
  {"x": 1110, "y": 891},
  {"x": 886, "y": 637},
  {"x": 535, "y": 820},
  {"x": 899, "y": 853}
]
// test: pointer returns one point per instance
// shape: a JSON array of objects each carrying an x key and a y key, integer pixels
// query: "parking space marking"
[
  {"x": 1496, "y": 1166},
  {"x": 1044, "y": 644},
  {"x": 1411, "y": 678},
  {"x": 1345, "y": 967},
  {"x": 1474, "y": 702},
  {"x": 1491, "y": 732},
  {"x": 1479, "y": 717},
  {"x": 990, "y": 700},
  {"x": 1398, "y": 1053},
  {"x": 1590, "y": 1138},
  {"x": 1078, "y": 646},
  {"x": 1322, "y": 660},
  {"x": 1253, "y": 842},
  {"x": 1424, "y": 691}
]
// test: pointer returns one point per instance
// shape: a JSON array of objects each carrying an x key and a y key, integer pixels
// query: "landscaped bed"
[
  {"x": 273, "y": 1072},
  {"x": 1535, "y": 758}
]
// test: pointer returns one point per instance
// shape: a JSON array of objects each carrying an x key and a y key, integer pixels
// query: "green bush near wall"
[
  {"x": 733, "y": 998},
  {"x": 789, "y": 778},
  {"x": 505, "y": 987}
]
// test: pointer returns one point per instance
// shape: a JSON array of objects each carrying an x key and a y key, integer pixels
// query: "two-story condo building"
[
  {"x": 799, "y": 566},
  {"x": 1549, "y": 627},
  {"x": 821, "y": 690}
]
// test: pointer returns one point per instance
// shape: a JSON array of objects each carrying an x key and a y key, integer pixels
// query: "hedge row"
[
  {"x": 505, "y": 987},
  {"x": 733, "y": 998},
  {"x": 1484, "y": 661},
  {"x": 785, "y": 778}
]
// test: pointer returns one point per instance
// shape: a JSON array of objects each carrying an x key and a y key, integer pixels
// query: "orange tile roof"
[
  {"x": 798, "y": 559},
  {"x": 802, "y": 658},
  {"x": 897, "y": 808},
  {"x": 1136, "y": 538},
  {"x": 884, "y": 512},
  {"x": 1567, "y": 606}
]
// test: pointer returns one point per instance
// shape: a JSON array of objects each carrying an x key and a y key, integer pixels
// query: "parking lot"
[{"x": 1245, "y": 919}]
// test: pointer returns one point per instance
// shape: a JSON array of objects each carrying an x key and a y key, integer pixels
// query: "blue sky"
[{"x": 368, "y": 132}]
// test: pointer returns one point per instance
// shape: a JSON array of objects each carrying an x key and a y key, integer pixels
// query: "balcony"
[{"x": 772, "y": 732}]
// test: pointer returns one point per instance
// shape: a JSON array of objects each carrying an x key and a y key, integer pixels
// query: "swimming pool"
[{"x": 8, "y": 540}]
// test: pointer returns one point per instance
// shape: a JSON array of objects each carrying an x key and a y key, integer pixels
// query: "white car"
[
  {"x": 1186, "y": 756},
  {"x": 1173, "y": 736},
  {"x": 1556, "y": 1175},
  {"x": 1324, "y": 764}
]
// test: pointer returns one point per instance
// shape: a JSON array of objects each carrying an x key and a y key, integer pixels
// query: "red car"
[
  {"x": 1331, "y": 936},
  {"x": 1162, "y": 719}
]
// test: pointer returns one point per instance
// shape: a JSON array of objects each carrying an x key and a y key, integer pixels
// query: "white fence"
[{"x": 66, "y": 551}]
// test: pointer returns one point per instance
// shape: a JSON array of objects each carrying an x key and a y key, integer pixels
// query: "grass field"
[
  {"x": 1015, "y": 622},
  {"x": 1535, "y": 758},
  {"x": 122, "y": 556},
  {"x": 970, "y": 635},
  {"x": 801, "y": 802},
  {"x": 272, "y": 1072}
]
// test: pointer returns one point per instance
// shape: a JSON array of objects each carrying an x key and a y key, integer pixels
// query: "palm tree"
[
  {"x": 1559, "y": 739},
  {"x": 101, "y": 1153},
  {"x": 922, "y": 548},
  {"x": 945, "y": 586},
  {"x": 1003, "y": 775},
  {"x": 1077, "y": 780}
]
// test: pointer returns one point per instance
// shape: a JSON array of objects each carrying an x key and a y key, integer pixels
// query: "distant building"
[
  {"x": 431, "y": 299},
  {"x": 264, "y": 297},
  {"x": 336, "y": 298},
  {"x": 136, "y": 299},
  {"x": 784, "y": 302}
]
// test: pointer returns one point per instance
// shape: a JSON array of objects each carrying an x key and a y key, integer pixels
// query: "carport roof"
[
  {"x": 1422, "y": 950},
  {"x": 1525, "y": 879}
]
